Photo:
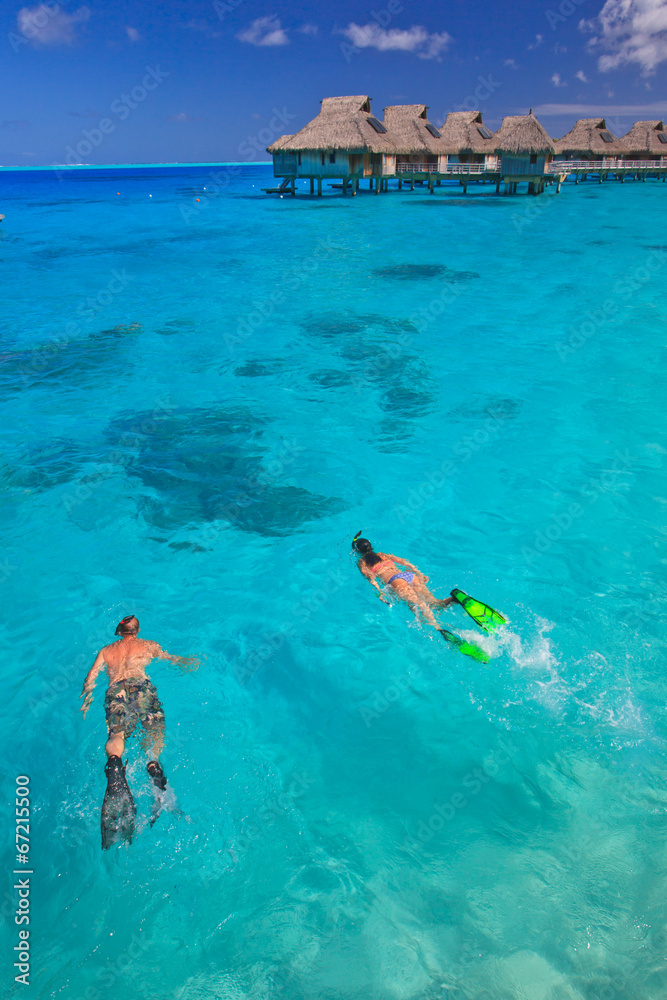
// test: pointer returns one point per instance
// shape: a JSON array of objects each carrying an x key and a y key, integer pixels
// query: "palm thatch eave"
[{"x": 522, "y": 135}]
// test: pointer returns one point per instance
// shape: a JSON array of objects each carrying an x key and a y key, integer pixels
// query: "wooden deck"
[{"x": 432, "y": 174}]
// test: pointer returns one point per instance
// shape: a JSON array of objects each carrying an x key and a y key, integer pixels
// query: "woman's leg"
[
  {"x": 408, "y": 593},
  {"x": 422, "y": 591}
]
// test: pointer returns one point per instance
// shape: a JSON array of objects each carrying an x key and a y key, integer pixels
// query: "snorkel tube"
[{"x": 354, "y": 540}]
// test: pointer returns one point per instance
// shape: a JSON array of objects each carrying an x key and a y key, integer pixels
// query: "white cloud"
[
  {"x": 133, "y": 34},
  {"x": 264, "y": 31},
  {"x": 538, "y": 41},
  {"x": 557, "y": 82},
  {"x": 308, "y": 29},
  {"x": 48, "y": 24},
  {"x": 511, "y": 63},
  {"x": 415, "y": 39},
  {"x": 580, "y": 75},
  {"x": 629, "y": 31},
  {"x": 658, "y": 110}
]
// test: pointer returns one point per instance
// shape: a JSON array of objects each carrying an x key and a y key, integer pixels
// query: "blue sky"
[{"x": 212, "y": 80}]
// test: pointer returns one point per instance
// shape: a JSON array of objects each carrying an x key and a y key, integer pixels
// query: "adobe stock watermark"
[
  {"x": 218, "y": 180},
  {"x": 530, "y": 212},
  {"x": 120, "y": 109},
  {"x": 135, "y": 436},
  {"x": 462, "y": 451},
  {"x": 38, "y": 360},
  {"x": 566, "y": 9},
  {"x": 598, "y": 319},
  {"x": 486, "y": 87},
  {"x": 427, "y": 314},
  {"x": 265, "y": 817},
  {"x": 300, "y": 613},
  {"x": 382, "y": 18},
  {"x": 609, "y": 481},
  {"x": 251, "y": 489},
  {"x": 33, "y": 22},
  {"x": 380, "y": 702},
  {"x": 108, "y": 977},
  {"x": 224, "y": 7},
  {"x": 472, "y": 784}
]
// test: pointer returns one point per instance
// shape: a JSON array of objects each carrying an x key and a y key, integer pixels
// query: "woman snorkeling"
[{"x": 409, "y": 584}]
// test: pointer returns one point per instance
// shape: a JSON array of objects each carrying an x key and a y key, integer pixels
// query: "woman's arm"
[
  {"x": 403, "y": 562},
  {"x": 369, "y": 576}
]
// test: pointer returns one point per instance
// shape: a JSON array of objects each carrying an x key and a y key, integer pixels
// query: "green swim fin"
[
  {"x": 483, "y": 614},
  {"x": 464, "y": 647}
]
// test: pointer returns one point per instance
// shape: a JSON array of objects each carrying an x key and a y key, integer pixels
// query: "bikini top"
[{"x": 385, "y": 562}]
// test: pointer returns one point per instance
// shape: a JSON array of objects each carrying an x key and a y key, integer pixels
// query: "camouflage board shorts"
[{"x": 131, "y": 701}]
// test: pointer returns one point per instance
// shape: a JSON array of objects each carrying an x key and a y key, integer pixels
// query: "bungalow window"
[
  {"x": 324, "y": 158},
  {"x": 299, "y": 159},
  {"x": 533, "y": 157},
  {"x": 332, "y": 157}
]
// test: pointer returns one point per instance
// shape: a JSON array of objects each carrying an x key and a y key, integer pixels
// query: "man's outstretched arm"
[
  {"x": 89, "y": 682},
  {"x": 182, "y": 661}
]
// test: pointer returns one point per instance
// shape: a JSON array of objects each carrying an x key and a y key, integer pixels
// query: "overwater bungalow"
[
  {"x": 344, "y": 142},
  {"x": 646, "y": 141},
  {"x": 525, "y": 152},
  {"x": 590, "y": 141},
  {"x": 467, "y": 141},
  {"x": 416, "y": 140}
]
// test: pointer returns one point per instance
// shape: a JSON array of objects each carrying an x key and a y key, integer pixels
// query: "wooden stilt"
[
  {"x": 344, "y": 185},
  {"x": 400, "y": 183},
  {"x": 293, "y": 190},
  {"x": 412, "y": 183},
  {"x": 355, "y": 186},
  {"x": 312, "y": 185},
  {"x": 319, "y": 187}
]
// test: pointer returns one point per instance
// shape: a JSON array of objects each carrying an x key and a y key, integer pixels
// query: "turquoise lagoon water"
[{"x": 202, "y": 401}]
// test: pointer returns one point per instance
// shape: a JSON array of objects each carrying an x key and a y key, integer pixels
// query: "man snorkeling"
[
  {"x": 409, "y": 585},
  {"x": 130, "y": 698}
]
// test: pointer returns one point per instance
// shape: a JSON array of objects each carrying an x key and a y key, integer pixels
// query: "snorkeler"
[
  {"x": 130, "y": 698},
  {"x": 408, "y": 584}
]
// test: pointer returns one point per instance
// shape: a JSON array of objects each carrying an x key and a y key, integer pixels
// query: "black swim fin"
[
  {"x": 118, "y": 808},
  {"x": 160, "y": 787}
]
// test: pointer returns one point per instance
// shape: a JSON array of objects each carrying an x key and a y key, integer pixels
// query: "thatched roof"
[
  {"x": 586, "y": 139},
  {"x": 408, "y": 126},
  {"x": 521, "y": 135},
  {"x": 643, "y": 138},
  {"x": 343, "y": 123},
  {"x": 460, "y": 133},
  {"x": 276, "y": 146}
]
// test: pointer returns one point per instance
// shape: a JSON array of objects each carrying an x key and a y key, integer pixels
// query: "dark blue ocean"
[{"x": 205, "y": 392}]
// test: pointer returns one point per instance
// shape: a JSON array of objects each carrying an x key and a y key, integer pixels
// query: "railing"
[
  {"x": 566, "y": 166},
  {"x": 491, "y": 165},
  {"x": 417, "y": 168}
]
